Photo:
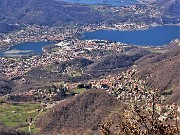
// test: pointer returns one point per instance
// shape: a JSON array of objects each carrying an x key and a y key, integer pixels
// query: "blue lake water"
[
  {"x": 26, "y": 48},
  {"x": 109, "y": 2},
  {"x": 156, "y": 36}
]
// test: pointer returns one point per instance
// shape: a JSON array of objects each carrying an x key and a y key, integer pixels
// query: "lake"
[
  {"x": 156, "y": 36},
  {"x": 109, "y": 2},
  {"x": 26, "y": 48}
]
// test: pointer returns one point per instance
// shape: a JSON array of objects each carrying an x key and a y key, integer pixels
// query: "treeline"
[{"x": 5, "y": 86}]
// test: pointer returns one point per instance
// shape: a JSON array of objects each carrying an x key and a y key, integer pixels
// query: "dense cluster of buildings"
[
  {"x": 65, "y": 50},
  {"x": 133, "y": 91},
  {"x": 36, "y": 33}
]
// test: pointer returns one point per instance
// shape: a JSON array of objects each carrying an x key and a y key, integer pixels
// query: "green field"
[
  {"x": 78, "y": 91},
  {"x": 16, "y": 115}
]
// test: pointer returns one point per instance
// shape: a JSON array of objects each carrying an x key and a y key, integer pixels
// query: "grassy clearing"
[
  {"x": 79, "y": 90},
  {"x": 17, "y": 114},
  {"x": 77, "y": 74}
]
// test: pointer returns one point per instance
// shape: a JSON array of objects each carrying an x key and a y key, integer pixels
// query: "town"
[{"x": 71, "y": 66}]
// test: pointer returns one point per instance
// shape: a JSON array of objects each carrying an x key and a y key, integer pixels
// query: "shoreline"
[{"x": 92, "y": 29}]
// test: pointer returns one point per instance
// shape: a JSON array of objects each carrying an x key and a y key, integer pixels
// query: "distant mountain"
[
  {"x": 46, "y": 12},
  {"x": 162, "y": 72},
  {"x": 79, "y": 115}
]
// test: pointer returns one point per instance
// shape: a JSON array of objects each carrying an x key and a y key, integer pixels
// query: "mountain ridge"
[
  {"x": 48, "y": 12},
  {"x": 80, "y": 114},
  {"x": 161, "y": 71}
]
